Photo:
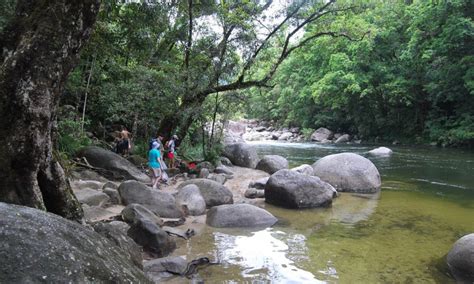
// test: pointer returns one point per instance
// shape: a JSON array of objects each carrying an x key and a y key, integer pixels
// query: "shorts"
[
  {"x": 170, "y": 155},
  {"x": 156, "y": 172}
]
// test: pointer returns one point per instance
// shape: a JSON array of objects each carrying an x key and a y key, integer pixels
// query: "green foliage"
[
  {"x": 71, "y": 138},
  {"x": 307, "y": 132},
  {"x": 7, "y": 9},
  {"x": 411, "y": 76}
]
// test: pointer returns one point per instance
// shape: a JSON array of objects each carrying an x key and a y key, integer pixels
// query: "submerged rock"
[
  {"x": 40, "y": 247},
  {"x": 238, "y": 216},
  {"x": 158, "y": 268},
  {"x": 290, "y": 189},
  {"x": 348, "y": 172},
  {"x": 461, "y": 259}
]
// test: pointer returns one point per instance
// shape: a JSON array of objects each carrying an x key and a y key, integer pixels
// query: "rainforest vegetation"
[{"x": 387, "y": 70}]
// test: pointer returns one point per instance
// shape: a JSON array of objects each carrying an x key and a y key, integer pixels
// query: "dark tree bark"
[{"x": 39, "y": 48}]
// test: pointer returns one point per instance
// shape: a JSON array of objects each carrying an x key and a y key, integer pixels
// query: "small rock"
[{"x": 381, "y": 151}]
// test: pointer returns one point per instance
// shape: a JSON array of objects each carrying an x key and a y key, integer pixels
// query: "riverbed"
[{"x": 400, "y": 235}]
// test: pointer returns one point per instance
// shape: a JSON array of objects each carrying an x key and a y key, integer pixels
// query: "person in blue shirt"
[{"x": 154, "y": 159}]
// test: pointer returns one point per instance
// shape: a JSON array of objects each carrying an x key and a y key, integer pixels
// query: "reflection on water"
[
  {"x": 264, "y": 254},
  {"x": 399, "y": 236}
]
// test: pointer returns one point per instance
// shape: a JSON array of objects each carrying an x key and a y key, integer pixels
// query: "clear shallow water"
[{"x": 400, "y": 235}]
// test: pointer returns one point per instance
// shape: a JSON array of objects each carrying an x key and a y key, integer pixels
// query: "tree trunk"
[{"x": 39, "y": 48}]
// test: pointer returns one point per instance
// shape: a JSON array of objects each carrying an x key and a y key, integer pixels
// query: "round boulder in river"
[
  {"x": 322, "y": 134},
  {"x": 291, "y": 189},
  {"x": 461, "y": 259},
  {"x": 348, "y": 172},
  {"x": 239, "y": 216},
  {"x": 272, "y": 163},
  {"x": 241, "y": 154},
  {"x": 39, "y": 247},
  {"x": 381, "y": 151},
  {"x": 213, "y": 192}
]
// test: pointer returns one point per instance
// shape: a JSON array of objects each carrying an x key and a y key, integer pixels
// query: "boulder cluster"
[{"x": 127, "y": 219}]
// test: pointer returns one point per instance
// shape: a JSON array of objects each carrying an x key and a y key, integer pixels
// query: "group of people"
[{"x": 155, "y": 158}]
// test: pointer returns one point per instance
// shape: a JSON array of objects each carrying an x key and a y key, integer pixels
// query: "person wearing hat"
[
  {"x": 171, "y": 150},
  {"x": 154, "y": 157}
]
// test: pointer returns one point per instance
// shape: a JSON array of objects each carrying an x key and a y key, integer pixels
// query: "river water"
[{"x": 401, "y": 235}]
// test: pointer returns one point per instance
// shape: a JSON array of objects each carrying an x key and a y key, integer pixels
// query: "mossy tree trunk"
[{"x": 38, "y": 49}]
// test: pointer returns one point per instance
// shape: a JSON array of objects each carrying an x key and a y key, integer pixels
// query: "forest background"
[{"x": 382, "y": 70}]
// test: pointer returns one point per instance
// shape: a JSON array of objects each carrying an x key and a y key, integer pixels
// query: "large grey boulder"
[
  {"x": 38, "y": 247},
  {"x": 348, "y": 172},
  {"x": 241, "y": 154},
  {"x": 161, "y": 203},
  {"x": 213, "y": 192},
  {"x": 133, "y": 212},
  {"x": 272, "y": 163},
  {"x": 304, "y": 169},
  {"x": 120, "y": 239},
  {"x": 461, "y": 259},
  {"x": 381, "y": 151},
  {"x": 290, "y": 189},
  {"x": 191, "y": 197},
  {"x": 91, "y": 197},
  {"x": 238, "y": 216},
  {"x": 321, "y": 134},
  {"x": 152, "y": 238},
  {"x": 105, "y": 159}
]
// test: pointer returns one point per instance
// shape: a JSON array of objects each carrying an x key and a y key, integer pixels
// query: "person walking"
[
  {"x": 171, "y": 150},
  {"x": 154, "y": 162}
]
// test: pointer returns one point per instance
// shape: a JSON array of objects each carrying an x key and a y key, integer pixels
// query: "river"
[{"x": 401, "y": 235}]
